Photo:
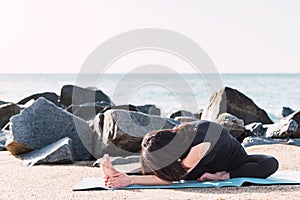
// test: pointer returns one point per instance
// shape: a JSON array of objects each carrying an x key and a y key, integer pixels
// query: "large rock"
[
  {"x": 7, "y": 111},
  {"x": 284, "y": 128},
  {"x": 182, "y": 113},
  {"x": 256, "y": 129},
  {"x": 198, "y": 114},
  {"x": 88, "y": 111},
  {"x": 119, "y": 160},
  {"x": 234, "y": 125},
  {"x": 286, "y": 111},
  {"x": 149, "y": 109},
  {"x": 255, "y": 140},
  {"x": 294, "y": 116},
  {"x": 44, "y": 123},
  {"x": 50, "y": 96},
  {"x": 185, "y": 119},
  {"x": 76, "y": 95},
  {"x": 128, "y": 107},
  {"x": 3, "y": 102},
  {"x": 3, "y": 137},
  {"x": 59, "y": 152},
  {"x": 229, "y": 100},
  {"x": 123, "y": 131}
]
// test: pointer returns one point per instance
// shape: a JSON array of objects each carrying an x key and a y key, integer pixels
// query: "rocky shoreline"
[{"x": 82, "y": 124}]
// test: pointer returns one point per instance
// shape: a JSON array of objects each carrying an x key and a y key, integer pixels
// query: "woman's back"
[{"x": 224, "y": 148}]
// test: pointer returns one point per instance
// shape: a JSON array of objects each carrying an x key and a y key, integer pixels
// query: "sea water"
[{"x": 169, "y": 92}]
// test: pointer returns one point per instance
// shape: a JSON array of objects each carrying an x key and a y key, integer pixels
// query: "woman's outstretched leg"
[{"x": 255, "y": 166}]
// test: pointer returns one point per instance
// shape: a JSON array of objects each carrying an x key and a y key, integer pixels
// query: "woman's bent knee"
[{"x": 271, "y": 166}]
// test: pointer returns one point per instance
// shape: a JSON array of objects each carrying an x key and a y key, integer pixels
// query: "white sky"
[{"x": 56, "y": 36}]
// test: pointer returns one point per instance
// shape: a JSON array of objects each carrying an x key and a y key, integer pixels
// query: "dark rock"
[
  {"x": 4, "y": 134},
  {"x": 286, "y": 111},
  {"x": 123, "y": 107},
  {"x": 185, "y": 119},
  {"x": 255, "y": 140},
  {"x": 149, "y": 109},
  {"x": 88, "y": 111},
  {"x": 44, "y": 123},
  {"x": 3, "y": 102},
  {"x": 119, "y": 160},
  {"x": 229, "y": 100},
  {"x": 289, "y": 126},
  {"x": 76, "y": 95},
  {"x": 59, "y": 152},
  {"x": 284, "y": 128},
  {"x": 234, "y": 125},
  {"x": 295, "y": 116},
  {"x": 256, "y": 129},
  {"x": 50, "y": 96},
  {"x": 7, "y": 111},
  {"x": 294, "y": 141},
  {"x": 296, "y": 134},
  {"x": 182, "y": 113},
  {"x": 101, "y": 107},
  {"x": 199, "y": 114},
  {"x": 123, "y": 131}
]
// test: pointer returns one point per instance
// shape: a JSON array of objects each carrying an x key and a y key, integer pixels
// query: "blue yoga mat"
[{"x": 279, "y": 178}]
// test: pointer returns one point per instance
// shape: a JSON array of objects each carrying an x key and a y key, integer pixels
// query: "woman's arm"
[
  {"x": 121, "y": 180},
  {"x": 195, "y": 155}
]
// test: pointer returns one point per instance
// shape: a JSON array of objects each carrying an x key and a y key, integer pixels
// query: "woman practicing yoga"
[{"x": 199, "y": 151}]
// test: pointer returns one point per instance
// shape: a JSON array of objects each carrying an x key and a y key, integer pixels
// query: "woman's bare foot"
[{"x": 107, "y": 168}]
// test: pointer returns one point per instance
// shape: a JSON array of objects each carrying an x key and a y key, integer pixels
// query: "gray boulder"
[
  {"x": 289, "y": 126},
  {"x": 7, "y": 111},
  {"x": 286, "y": 111},
  {"x": 3, "y": 102},
  {"x": 183, "y": 119},
  {"x": 284, "y": 128},
  {"x": 295, "y": 116},
  {"x": 198, "y": 114},
  {"x": 119, "y": 160},
  {"x": 149, "y": 109},
  {"x": 128, "y": 107},
  {"x": 255, "y": 140},
  {"x": 3, "y": 137},
  {"x": 123, "y": 131},
  {"x": 71, "y": 94},
  {"x": 50, "y": 96},
  {"x": 294, "y": 141},
  {"x": 59, "y": 152},
  {"x": 234, "y": 125},
  {"x": 88, "y": 111},
  {"x": 256, "y": 129},
  {"x": 229, "y": 100},
  {"x": 182, "y": 113},
  {"x": 44, "y": 123}
]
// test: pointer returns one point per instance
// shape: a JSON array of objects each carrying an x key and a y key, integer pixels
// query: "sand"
[{"x": 56, "y": 181}]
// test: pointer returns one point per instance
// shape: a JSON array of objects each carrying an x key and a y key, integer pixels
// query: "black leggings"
[{"x": 254, "y": 166}]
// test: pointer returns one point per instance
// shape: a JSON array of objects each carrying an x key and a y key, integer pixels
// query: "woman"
[{"x": 200, "y": 151}]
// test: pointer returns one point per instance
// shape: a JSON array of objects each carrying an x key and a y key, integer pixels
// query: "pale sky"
[{"x": 240, "y": 36}]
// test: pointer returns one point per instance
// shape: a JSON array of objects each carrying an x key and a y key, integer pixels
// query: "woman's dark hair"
[{"x": 161, "y": 152}]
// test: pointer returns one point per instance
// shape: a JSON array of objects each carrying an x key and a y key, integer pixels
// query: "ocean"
[{"x": 167, "y": 91}]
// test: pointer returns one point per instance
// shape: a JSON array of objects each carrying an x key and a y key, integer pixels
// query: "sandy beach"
[{"x": 56, "y": 181}]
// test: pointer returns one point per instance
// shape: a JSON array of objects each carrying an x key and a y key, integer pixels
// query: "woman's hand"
[
  {"x": 118, "y": 180},
  {"x": 219, "y": 176}
]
